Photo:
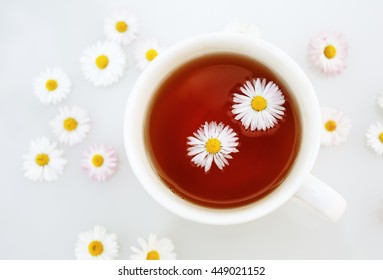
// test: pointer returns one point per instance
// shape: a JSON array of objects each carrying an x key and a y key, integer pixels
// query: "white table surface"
[{"x": 42, "y": 221}]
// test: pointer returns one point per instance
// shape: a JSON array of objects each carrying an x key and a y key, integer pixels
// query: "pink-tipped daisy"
[
  {"x": 336, "y": 127},
  {"x": 328, "y": 51},
  {"x": 100, "y": 162}
]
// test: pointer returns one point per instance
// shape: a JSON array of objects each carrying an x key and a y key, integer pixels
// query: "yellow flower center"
[
  {"x": 329, "y": 51},
  {"x": 153, "y": 255},
  {"x": 102, "y": 61},
  {"x": 151, "y": 54},
  {"x": 259, "y": 103},
  {"x": 51, "y": 85},
  {"x": 381, "y": 137},
  {"x": 213, "y": 145},
  {"x": 42, "y": 159},
  {"x": 70, "y": 124},
  {"x": 330, "y": 126},
  {"x": 98, "y": 160},
  {"x": 121, "y": 26},
  {"x": 95, "y": 248}
]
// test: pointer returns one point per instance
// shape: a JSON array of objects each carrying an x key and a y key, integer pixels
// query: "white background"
[
  {"x": 274, "y": 269},
  {"x": 42, "y": 221}
]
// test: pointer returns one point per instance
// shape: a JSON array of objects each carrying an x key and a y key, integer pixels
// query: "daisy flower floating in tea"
[
  {"x": 103, "y": 64},
  {"x": 71, "y": 125},
  {"x": 259, "y": 105},
  {"x": 212, "y": 142},
  {"x": 100, "y": 162},
  {"x": 44, "y": 162},
  {"x": 121, "y": 27},
  {"x": 336, "y": 127},
  {"x": 328, "y": 51},
  {"x": 52, "y": 86},
  {"x": 146, "y": 51},
  {"x": 96, "y": 244},
  {"x": 154, "y": 249},
  {"x": 374, "y": 137}
]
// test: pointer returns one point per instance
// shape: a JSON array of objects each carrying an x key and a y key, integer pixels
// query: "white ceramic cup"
[{"x": 299, "y": 182}]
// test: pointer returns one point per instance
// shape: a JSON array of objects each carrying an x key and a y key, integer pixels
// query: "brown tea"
[{"x": 202, "y": 91}]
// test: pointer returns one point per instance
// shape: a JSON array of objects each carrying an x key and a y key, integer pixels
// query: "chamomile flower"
[
  {"x": 154, "y": 249},
  {"x": 237, "y": 26},
  {"x": 259, "y": 105},
  {"x": 335, "y": 127},
  {"x": 44, "y": 162},
  {"x": 212, "y": 142},
  {"x": 103, "y": 64},
  {"x": 374, "y": 137},
  {"x": 71, "y": 125},
  {"x": 121, "y": 27},
  {"x": 146, "y": 51},
  {"x": 328, "y": 51},
  {"x": 100, "y": 162},
  {"x": 96, "y": 244},
  {"x": 52, "y": 86}
]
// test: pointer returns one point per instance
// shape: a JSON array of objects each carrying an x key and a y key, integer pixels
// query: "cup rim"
[{"x": 268, "y": 54}]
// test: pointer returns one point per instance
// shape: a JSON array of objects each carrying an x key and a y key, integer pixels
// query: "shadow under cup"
[{"x": 193, "y": 83}]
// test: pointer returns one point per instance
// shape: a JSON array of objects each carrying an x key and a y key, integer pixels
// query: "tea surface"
[{"x": 202, "y": 91}]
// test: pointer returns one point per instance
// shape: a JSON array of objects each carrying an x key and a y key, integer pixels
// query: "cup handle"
[{"x": 322, "y": 198}]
